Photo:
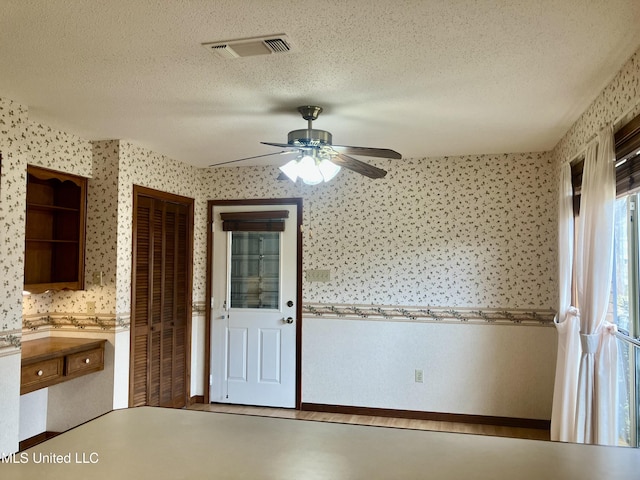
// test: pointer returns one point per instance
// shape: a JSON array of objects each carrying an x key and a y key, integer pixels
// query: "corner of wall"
[
  {"x": 620, "y": 96},
  {"x": 14, "y": 120}
]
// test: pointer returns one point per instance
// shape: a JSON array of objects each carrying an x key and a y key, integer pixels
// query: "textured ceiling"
[{"x": 426, "y": 78}]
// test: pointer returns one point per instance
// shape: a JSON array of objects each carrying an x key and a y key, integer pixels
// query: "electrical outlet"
[
  {"x": 419, "y": 376},
  {"x": 318, "y": 275},
  {"x": 91, "y": 308}
]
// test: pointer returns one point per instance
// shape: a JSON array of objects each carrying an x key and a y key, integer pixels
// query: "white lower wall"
[
  {"x": 492, "y": 370},
  {"x": 9, "y": 402},
  {"x": 197, "y": 355},
  {"x": 33, "y": 413},
  {"x": 122, "y": 349}
]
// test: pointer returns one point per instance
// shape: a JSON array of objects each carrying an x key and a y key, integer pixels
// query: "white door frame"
[{"x": 298, "y": 307}]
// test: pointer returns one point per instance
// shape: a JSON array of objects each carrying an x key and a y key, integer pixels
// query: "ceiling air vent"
[
  {"x": 223, "y": 51},
  {"x": 249, "y": 47},
  {"x": 277, "y": 45}
]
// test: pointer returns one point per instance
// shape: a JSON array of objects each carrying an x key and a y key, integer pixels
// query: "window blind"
[
  {"x": 627, "y": 149},
  {"x": 261, "y": 221}
]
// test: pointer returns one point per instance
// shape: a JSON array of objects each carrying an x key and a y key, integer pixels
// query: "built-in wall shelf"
[
  {"x": 55, "y": 231},
  {"x": 52, "y": 360}
]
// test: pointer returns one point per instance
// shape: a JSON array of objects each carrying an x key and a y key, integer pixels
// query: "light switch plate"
[{"x": 318, "y": 275}]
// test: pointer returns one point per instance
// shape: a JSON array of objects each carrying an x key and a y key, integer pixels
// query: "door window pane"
[{"x": 255, "y": 270}]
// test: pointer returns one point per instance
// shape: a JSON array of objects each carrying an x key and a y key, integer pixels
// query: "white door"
[{"x": 253, "y": 344}]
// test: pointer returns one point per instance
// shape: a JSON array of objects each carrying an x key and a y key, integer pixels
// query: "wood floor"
[{"x": 492, "y": 430}]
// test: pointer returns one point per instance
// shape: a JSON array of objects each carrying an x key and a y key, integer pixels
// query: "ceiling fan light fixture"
[
  {"x": 290, "y": 169},
  {"x": 308, "y": 171},
  {"x": 328, "y": 169}
]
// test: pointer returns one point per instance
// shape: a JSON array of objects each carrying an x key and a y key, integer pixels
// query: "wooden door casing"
[
  {"x": 161, "y": 299},
  {"x": 209, "y": 287},
  {"x": 254, "y": 361}
]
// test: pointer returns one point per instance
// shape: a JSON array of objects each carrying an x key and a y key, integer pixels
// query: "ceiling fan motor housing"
[
  {"x": 309, "y": 112},
  {"x": 309, "y": 137}
]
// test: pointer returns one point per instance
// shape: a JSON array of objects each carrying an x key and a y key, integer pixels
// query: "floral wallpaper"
[
  {"x": 620, "y": 95},
  {"x": 13, "y": 128},
  {"x": 140, "y": 166},
  {"x": 57, "y": 150},
  {"x": 469, "y": 231},
  {"x": 102, "y": 233}
]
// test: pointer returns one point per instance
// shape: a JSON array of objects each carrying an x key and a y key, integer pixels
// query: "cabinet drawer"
[
  {"x": 91, "y": 360},
  {"x": 38, "y": 373}
]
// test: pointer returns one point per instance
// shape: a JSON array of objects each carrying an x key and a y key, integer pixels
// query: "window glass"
[
  {"x": 255, "y": 270},
  {"x": 623, "y": 307},
  {"x": 635, "y": 376},
  {"x": 620, "y": 284},
  {"x": 625, "y": 413}
]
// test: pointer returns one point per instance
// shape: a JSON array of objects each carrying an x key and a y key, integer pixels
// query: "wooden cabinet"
[
  {"x": 55, "y": 231},
  {"x": 53, "y": 360},
  {"x": 40, "y": 374}
]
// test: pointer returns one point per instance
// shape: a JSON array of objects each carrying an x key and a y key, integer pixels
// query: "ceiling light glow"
[
  {"x": 328, "y": 169},
  {"x": 291, "y": 170},
  {"x": 310, "y": 169}
]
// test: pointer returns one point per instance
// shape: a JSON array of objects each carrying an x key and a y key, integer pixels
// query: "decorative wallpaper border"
[
  {"x": 10, "y": 342},
  {"x": 83, "y": 321},
  {"x": 75, "y": 321},
  {"x": 483, "y": 316},
  {"x": 198, "y": 308}
]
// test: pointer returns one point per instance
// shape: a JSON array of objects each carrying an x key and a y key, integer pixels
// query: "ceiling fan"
[{"x": 318, "y": 159}]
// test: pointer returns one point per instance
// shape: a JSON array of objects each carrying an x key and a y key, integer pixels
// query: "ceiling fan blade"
[
  {"x": 284, "y": 152},
  {"x": 281, "y": 145},
  {"x": 358, "y": 166},
  {"x": 367, "y": 151}
]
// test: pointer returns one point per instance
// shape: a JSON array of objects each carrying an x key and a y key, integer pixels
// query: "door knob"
[{"x": 288, "y": 320}]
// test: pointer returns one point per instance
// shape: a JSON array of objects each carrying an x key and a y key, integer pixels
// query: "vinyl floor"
[{"x": 162, "y": 443}]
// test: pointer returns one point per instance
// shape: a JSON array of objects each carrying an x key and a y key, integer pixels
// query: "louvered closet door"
[{"x": 160, "y": 304}]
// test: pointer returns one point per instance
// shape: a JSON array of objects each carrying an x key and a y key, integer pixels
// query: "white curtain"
[
  {"x": 584, "y": 404},
  {"x": 596, "y": 401},
  {"x": 566, "y": 321}
]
